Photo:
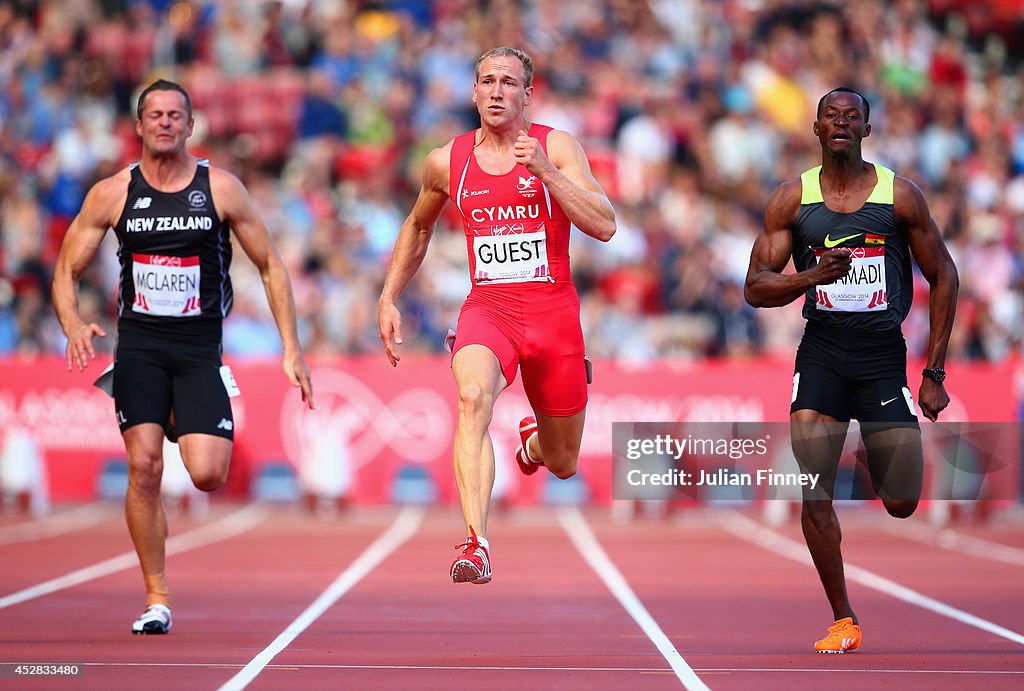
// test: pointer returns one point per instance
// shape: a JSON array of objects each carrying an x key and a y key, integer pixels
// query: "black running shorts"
[
  {"x": 847, "y": 373},
  {"x": 153, "y": 373}
]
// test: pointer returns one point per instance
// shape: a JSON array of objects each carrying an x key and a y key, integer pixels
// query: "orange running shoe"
[
  {"x": 527, "y": 428},
  {"x": 842, "y": 636},
  {"x": 474, "y": 564}
]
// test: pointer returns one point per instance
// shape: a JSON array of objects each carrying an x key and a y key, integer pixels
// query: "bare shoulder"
[
  {"x": 562, "y": 145},
  {"x": 908, "y": 201},
  {"x": 106, "y": 198},
  {"x": 111, "y": 186},
  {"x": 224, "y": 181},
  {"x": 230, "y": 198},
  {"x": 441, "y": 156},
  {"x": 783, "y": 205},
  {"x": 437, "y": 167},
  {"x": 560, "y": 138}
]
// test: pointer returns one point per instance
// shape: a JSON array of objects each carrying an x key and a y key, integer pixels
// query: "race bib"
[
  {"x": 514, "y": 253},
  {"x": 861, "y": 290},
  {"x": 166, "y": 286}
]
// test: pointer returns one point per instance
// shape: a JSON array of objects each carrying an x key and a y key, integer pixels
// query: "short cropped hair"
[
  {"x": 506, "y": 52},
  {"x": 163, "y": 85},
  {"x": 845, "y": 90}
]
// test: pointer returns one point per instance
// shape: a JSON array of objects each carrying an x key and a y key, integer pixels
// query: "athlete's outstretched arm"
[
  {"x": 766, "y": 285},
  {"x": 78, "y": 249},
  {"x": 937, "y": 267},
  {"x": 237, "y": 209},
  {"x": 411, "y": 246},
  {"x": 565, "y": 171}
]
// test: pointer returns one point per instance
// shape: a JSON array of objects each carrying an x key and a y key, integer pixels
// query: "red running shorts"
[{"x": 536, "y": 328}]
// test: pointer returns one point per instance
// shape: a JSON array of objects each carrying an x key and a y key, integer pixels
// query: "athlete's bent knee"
[
  {"x": 560, "y": 455},
  {"x": 145, "y": 475},
  {"x": 818, "y": 511},
  {"x": 562, "y": 465},
  {"x": 564, "y": 472},
  {"x": 473, "y": 400},
  {"x": 900, "y": 508},
  {"x": 210, "y": 479}
]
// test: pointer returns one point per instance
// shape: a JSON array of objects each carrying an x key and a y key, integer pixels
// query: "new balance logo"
[
  {"x": 225, "y": 424},
  {"x": 142, "y": 203}
]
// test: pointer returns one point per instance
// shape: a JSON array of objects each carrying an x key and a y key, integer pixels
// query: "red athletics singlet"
[{"x": 523, "y": 305}]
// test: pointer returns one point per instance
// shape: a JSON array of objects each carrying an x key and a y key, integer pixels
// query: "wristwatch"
[{"x": 937, "y": 374}]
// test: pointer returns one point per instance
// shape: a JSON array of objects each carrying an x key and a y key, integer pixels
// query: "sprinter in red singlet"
[{"x": 519, "y": 187}]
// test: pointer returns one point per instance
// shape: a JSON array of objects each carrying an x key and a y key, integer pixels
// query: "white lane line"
[
  {"x": 844, "y": 672},
  {"x": 753, "y": 532},
  {"x": 587, "y": 545},
  {"x": 228, "y": 527},
  {"x": 958, "y": 542},
  {"x": 504, "y": 668},
  {"x": 79, "y": 518},
  {"x": 405, "y": 526}
]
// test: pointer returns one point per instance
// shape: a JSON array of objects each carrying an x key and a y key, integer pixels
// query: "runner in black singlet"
[
  {"x": 851, "y": 228},
  {"x": 172, "y": 214}
]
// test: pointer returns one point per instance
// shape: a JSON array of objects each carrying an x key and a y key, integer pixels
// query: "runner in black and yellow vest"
[
  {"x": 852, "y": 228},
  {"x": 876, "y": 294}
]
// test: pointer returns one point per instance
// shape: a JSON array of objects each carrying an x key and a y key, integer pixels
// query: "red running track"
[{"x": 708, "y": 597}]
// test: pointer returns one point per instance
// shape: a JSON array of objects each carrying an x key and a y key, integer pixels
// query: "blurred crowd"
[{"x": 691, "y": 112}]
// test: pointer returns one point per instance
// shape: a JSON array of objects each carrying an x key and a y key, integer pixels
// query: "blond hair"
[{"x": 506, "y": 52}]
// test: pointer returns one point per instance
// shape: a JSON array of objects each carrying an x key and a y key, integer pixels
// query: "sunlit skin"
[
  {"x": 165, "y": 125},
  {"x": 846, "y": 182},
  {"x": 501, "y": 95},
  {"x": 842, "y": 127}
]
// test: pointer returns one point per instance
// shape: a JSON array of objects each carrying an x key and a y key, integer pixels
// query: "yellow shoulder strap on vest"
[
  {"x": 882, "y": 194},
  {"x": 810, "y": 186}
]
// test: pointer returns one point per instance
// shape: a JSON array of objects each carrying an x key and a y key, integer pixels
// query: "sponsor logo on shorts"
[
  {"x": 909, "y": 398},
  {"x": 225, "y": 424},
  {"x": 884, "y": 403},
  {"x": 142, "y": 203}
]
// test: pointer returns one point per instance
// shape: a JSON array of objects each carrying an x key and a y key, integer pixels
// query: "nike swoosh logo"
[
  {"x": 830, "y": 243},
  {"x": 889, "y": 401}
]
